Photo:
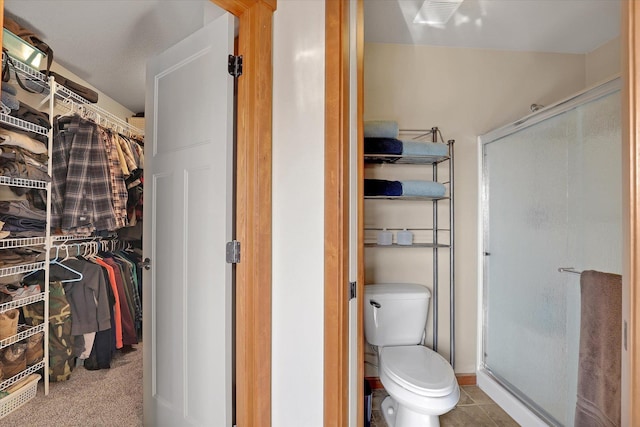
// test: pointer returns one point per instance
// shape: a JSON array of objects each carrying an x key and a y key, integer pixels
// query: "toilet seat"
[{"x": 419, "y": 370}]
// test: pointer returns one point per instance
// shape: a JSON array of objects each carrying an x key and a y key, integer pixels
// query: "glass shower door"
[{"x": 551, "y": 199}]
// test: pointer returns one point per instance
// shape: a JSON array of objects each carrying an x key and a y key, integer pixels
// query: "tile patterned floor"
[{"x": 475, "y": 409}]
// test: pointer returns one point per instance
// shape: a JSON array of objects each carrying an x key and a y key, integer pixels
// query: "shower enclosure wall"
[{"x": 551, "y": 199}]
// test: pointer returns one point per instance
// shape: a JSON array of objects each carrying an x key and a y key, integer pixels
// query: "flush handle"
[{"x": 376, "y": 305}]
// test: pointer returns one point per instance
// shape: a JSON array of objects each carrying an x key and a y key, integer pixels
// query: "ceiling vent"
[{"x": 436, "y": 12}]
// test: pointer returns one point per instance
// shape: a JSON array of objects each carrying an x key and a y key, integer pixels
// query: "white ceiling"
[
  {"x": 106, "y": 42},
  {"x": 562, "y": 26}
]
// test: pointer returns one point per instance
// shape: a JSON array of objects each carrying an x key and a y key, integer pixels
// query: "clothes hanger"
[{"x": 59, "y": 263}]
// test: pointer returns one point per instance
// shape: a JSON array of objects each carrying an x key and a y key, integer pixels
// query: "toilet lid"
[{"x": 418, "y": 369}]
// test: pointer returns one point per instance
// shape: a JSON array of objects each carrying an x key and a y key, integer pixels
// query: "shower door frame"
[
  {"x": 630, "y": 35},
  {"x": 515, "y": 406}
]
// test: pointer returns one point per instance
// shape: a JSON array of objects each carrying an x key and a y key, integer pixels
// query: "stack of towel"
[{"x": 381, "y": 137}]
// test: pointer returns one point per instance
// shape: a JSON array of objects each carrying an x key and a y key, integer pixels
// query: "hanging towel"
[
  {"x": 380, "y": 129},
  {"x": 599, "y": 388}
]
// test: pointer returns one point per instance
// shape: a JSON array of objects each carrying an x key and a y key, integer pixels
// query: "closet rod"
[{"x": 97, "y": 114}]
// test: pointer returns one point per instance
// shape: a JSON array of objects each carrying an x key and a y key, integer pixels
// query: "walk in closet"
[
  {"x": 41, "y": 251},
  {"x": 409, "y": 221}
]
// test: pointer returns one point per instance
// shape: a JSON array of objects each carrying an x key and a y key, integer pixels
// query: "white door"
[{"x": 187, "y": 222}]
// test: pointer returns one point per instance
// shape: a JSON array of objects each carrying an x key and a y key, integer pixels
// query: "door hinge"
[
  {"x": 352, "y": 290},
  {"x": 233, "y": 252},
  {"x": 235, "y": 65}
]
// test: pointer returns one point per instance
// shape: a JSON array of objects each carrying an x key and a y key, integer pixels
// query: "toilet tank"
[{"x": 395, "y": 313}]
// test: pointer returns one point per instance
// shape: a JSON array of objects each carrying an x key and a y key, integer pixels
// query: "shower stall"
[{"x": 551, "y": 206}]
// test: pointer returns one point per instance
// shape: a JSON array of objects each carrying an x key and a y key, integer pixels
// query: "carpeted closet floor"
[{"x": 103, "y": 398}]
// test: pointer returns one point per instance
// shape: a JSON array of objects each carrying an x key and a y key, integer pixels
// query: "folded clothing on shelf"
[
  {"x": 19, "y": 139},
  {"x": 6, "y": 87},
  {"x": 30, "y": 114},
  {"x": 21, "y": 255},
  {"x": 9, "y": 96},
  {"x": 22, "y": 209},
  {"x": 7, "y": 193},
  {"x": 83, "y": 91},
  {"x": 14, "y": 223},
  {"x": 25, "y": 170}
]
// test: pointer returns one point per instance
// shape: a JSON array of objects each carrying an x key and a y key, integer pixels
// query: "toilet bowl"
[
  {"x": 421, "y": 386},
  {"x": 421, "y": 383}
]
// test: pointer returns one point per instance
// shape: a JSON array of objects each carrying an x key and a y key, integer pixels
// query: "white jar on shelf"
[
  {"x": 405, "y": 237},
  {"x": 385, "y": 237}
]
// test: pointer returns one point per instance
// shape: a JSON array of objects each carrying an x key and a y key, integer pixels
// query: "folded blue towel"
[
  {"x": 423, "y": 189},
  {"x": 414, "y": 148},
  {"x": 380, "y": 129},
  {"x": 382, "y": 146},
  {"x": 380, "y": 187}
]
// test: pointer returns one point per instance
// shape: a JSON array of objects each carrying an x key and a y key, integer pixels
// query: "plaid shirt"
[
  {"x": 81, "y": 186},
  {"x": 119, "y": 193}
]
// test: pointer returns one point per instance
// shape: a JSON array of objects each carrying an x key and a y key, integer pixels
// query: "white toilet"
[{"x": 421, "y": 383}]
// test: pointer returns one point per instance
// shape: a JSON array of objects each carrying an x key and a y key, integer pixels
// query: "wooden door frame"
[
  {"x": 336, "y": 214},
  {"x": 253, "y": 210},
  {"x": 630, "y": 34}
]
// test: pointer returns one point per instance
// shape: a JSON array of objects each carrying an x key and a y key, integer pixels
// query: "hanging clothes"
[
  {"x": 81, "y": 183},
  {"x": 116, "y": 176},
  {"x": 61, "y": 341}
]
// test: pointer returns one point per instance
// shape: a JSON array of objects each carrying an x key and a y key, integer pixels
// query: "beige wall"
[
  {"x": 104, "y": 101},
  {"x": 603, "y": 63},
  {"x": 466, "y": 93}
]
